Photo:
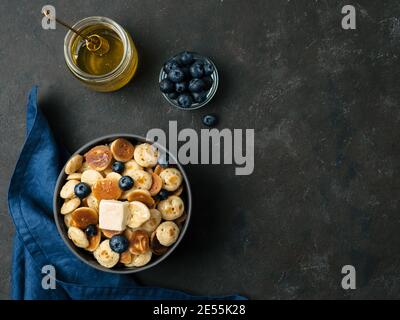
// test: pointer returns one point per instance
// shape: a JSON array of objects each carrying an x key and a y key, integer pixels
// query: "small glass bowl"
[{"x": 210, "y": 93}]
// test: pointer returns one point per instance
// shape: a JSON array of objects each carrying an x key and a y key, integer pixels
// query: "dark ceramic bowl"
[{"x": 88, "y": 257}]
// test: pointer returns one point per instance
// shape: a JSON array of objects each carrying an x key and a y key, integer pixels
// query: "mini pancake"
[
  {"x": 138, "y": 241},
  {"x": 75, "y": 176},
  {"x": 99, "y": 158},
  {"x": 67, "y": 219},
  {"x": 171, "y": 208},
  {"x": 114, "y": 175},
  {"x": 110, "y": 233},
  {"x": 82, "y": 217},
  {"x": 70, "y": 205},
  {"x": 106, "y": 189},
  {"x": 73, "y": 164},
  {"x": 172, "y": 179},
  {"x": 131, "y": 165},
  {"x": 94, "y": 241},
  {"x": 152, "y": 224},
  {"x": 167, "y": 233},
  {"x": 85, "y": 166},
  {"x": 142, "y": 179},
  {"x": 142, "y": 196},
  {"x": 90, "y": 177},
  {"x": 122, "y": 150},
  {"x": 139, "y": 214},
  {"x": 146, "y": 155},
  {"x": 139, "y": 260},
  {"x": 156, "y": 185},
  {"x": 78, "y": 237},
  {"x": 105, "y": 256},
  {"x": 92, "y": 202},
  {"x": 158, "y": 169},
  {"x": 125, "y": 194},
  {"x": 125, "y": 257},
  {"x": 68, "y": 190}
]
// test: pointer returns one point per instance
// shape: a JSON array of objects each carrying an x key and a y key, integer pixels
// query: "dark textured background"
[{"x": 324, "y": 105}]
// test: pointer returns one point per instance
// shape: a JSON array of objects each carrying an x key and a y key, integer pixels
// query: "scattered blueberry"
[
  {"x": 118, "y": 167},
  {"x": 82, "y": 190},
  {"x": 199, "y": 97},
  {"x": 91, "y": 230},
  {"x": 119, "y": 244},
  {"x": 173, "y": 95},
  {"x": 163, "y": 194},
  {"x": 196, "y": 85},
  {"x": 185, "y": 100},
  {"x": 210, "y": 120},
  {"x": 170, "y": 65},
  {"x": 197, "y": 69},
  {"x": 208, "y": 68},
  {"x": 186, "y": 58},
  {"x": 181, "y": 87},
  {"x": 166, "y": 86},
  {"x": 208, "y": 81},
  {"x": 125, "y": 183}
]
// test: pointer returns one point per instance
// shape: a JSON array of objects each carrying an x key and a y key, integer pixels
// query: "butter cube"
[{"x": 113, "y": 215}]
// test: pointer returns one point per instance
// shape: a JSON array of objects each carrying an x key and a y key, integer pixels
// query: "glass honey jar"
[{"x": 107, "y": 67}]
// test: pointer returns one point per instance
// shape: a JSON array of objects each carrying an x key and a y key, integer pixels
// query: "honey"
[
  {"x": 110, "y": 66},
  {"x": 99, "y": 64}
]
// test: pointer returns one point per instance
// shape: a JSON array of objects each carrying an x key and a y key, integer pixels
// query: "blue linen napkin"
[{"x": 37, "y": 242}]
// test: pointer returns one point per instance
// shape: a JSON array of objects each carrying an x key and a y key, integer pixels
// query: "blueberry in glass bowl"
[{"x": 188, "y": 80}]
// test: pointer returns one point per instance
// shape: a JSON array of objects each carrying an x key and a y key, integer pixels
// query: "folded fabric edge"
[
  {"x": 13, "y": 191},
  {"x": 145, "y": 293}
]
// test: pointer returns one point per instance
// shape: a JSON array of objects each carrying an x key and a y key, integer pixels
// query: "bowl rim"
[
  {"x": 59, "y": 218},
  {"x": 212, "y": 91}
]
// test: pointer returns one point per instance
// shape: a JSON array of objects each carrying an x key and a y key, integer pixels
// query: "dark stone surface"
[{"x": 324, "y": 105}]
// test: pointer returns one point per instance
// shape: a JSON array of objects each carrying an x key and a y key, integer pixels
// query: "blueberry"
[
  {"x": 208, "y": 81},
  {"x": 186, "y": 72},
  {"x": 176, "y": 75},
  {"x": 197, "y": 69},
  {"x": 163, "y": 194},
  {"x": 185, "y": 100},
  {"x": 166, "y": 86},
  {"x": 199, "y": 97},
  {"x": 170, "y": 65},
  {"x": 118, "y": 167},
  {"x": 119, "y": 243},
  {"x": 210, "y": 120},
  {"x": 196, "y": 85},
  {"x": 125, "y": 183},
  {"x": 186, "y": 58},
  {"x": 181, "y": 87},
  {"x": 82, "y": 190},
  {"x": 208, "y": 68},
  {"x": 91, "y": 230},
  {"x": 173, "y": 95}
]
